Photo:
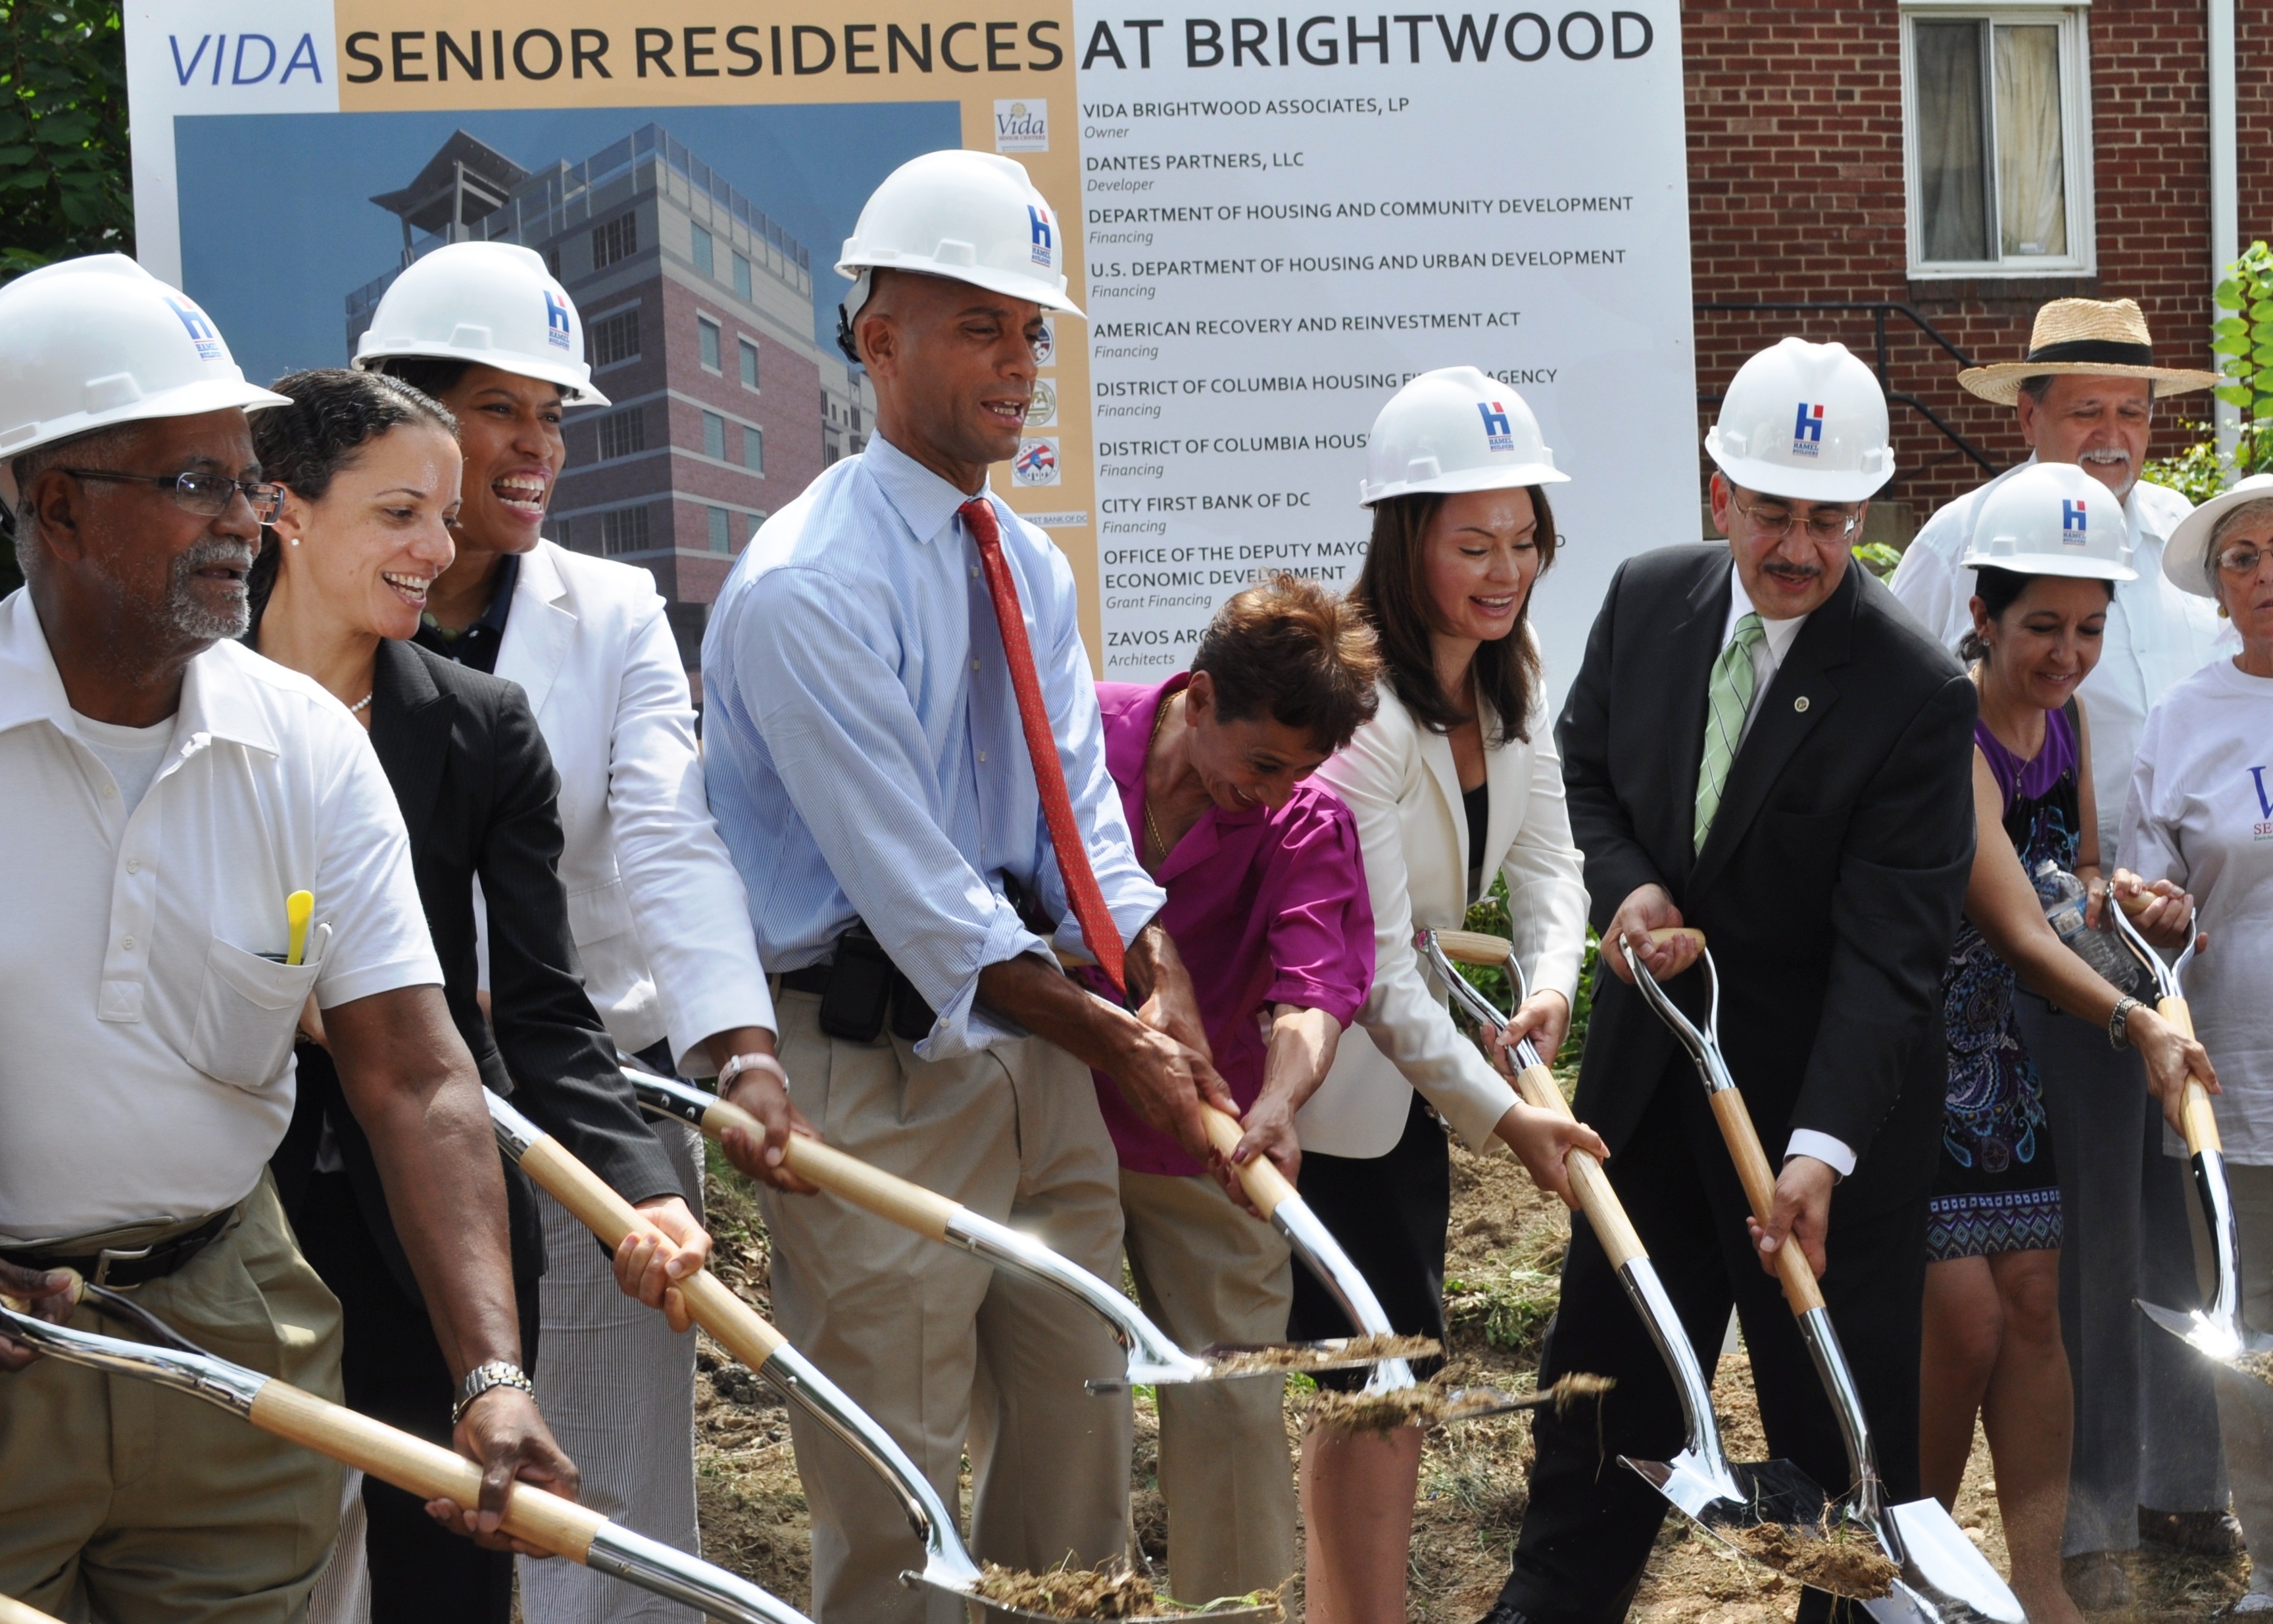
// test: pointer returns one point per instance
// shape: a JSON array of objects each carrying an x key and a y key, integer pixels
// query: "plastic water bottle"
[{"x": 2063, "y": 900}]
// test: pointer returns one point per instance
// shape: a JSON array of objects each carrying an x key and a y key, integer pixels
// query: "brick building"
[
  {"x": 698, "y": 321},
  {"x": 1968, "y": 161}
]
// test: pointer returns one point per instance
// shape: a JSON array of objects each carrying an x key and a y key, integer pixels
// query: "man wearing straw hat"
[{"x": 2146, "y": 1456}]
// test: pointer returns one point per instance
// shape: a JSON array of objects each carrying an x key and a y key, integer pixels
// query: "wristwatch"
[
  {"x": 2119, "y": 1023},
  {"x": 739, "y": 1064},
  {"x": 482, "y": 1377}
]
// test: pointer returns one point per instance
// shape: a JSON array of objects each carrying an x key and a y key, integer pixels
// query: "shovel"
[
  {"x": 425, "y": 1469},
  {"x": 1943, "y": 1577},
  {"x": 1153, "y": 1359},
  {"x": 1721, "y": 1496},
  {"x": 14, "y": 1612},
  {"x": 2217, "y": 1330}
]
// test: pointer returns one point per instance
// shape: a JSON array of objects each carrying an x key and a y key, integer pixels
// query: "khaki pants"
[
  {"x": 2245, "y": 1404},
  {"x": 126, "y": 1502},
  {"x": 942, "y": 1351},
  {"x": 1207, "y": 1272}
]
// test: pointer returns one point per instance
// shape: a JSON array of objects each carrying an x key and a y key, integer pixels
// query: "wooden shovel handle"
[
  {"x": 2195, "y": 1113},
  {"x": 1265, "y": 1185},
  {"x": 1666, "y": 933},
  {"x": 736, "y": 1326},
  {"x": 1475, "y": 947},
  {"x": 889, "y": 1197},
  {"x": 1600, "y": 1204},
  {"x": 1743, "y": 1141},
  {"x": 427, "y": 1470},
  {"x": 14, "y": 1612}
]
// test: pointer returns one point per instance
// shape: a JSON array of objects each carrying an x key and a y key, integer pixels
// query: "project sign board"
[{"x": 1273, "y": 221}]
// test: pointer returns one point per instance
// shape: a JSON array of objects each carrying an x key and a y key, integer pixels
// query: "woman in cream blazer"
[{"x": 1445, "y": 794}]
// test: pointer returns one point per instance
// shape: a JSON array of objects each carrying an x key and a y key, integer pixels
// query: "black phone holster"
[{"x": 862, "y": 992}]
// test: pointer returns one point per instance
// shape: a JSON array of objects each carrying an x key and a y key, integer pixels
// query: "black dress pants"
[
  {"x": 395, "y": 1373},
  {"x": 1588, "y": 1533}
]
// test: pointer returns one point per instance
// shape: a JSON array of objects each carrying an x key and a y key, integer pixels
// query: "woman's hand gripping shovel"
[
  {"x": 1153, "y": 1359},
  {"x": 1724, "y": 1498},
  {"x": 2217, "y": 1330},
  {"x": 425, "y": 1469},
  {"x": 1943, "y": 1579}
]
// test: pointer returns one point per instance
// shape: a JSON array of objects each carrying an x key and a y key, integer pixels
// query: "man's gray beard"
[{"x": 185, "y": 615}]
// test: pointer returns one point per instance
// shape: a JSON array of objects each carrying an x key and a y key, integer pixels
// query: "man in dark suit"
[{"x": 1763, "y": 745}]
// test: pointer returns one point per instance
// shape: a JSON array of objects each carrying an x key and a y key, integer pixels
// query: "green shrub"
[{"x": 66, "y": 183}]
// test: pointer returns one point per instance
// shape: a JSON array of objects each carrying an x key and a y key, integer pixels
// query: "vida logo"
[{"x": 1022, "y": 125}]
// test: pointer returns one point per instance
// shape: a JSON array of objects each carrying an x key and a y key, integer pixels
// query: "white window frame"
[{"x": 2075, "y": 139}]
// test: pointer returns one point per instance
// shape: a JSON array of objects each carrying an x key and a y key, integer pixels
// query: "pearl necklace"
[{"x": 357, "y": 709}]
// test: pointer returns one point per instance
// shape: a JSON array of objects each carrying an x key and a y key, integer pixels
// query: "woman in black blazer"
[{"x": 372, "y": 472}]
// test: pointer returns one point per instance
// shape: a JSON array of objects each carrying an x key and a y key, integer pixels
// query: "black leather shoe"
[
  {"x": 1503, "y": 1614},
  {"x": 2198, "y": 1533}
]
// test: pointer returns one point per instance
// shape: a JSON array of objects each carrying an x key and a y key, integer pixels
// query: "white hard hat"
[
  {"x": 2052, "y": 518},
  {"x": 971, "y": 216},
  {"x": 1806, "y": 422},
  {"x": 490, "y": 304},
  {"x": 88, "y": 343},
  {"x": 1454, "y": 429},
  {"x": 2186, "y": 556}
]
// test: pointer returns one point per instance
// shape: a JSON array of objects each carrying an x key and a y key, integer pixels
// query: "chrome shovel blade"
[
  {"x": 1944, "y": 1574},
  {"x": 2227, "y": 1344}
]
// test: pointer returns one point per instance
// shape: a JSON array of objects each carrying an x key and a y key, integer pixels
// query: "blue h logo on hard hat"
[
  {"x": 1498, "y": 436},
  {"x": 1807, "y": 431},
  {"x": 1044, "y": 240},
  {"x": 555, "y": 319},
  {"x": 2072, "y": 526},
  {"x": 199, "y": 328}
]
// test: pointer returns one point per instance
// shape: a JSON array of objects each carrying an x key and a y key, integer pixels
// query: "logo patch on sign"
[
  {"x": 1042, "y": 408},
  {"x": 1021, "y": 126},
  {"x": 1498, "y": 436},
  {"x": 1036, "y": 463},
  {"x": 2073, "y": 533},
  {"x": 556, "y": 319},
  {"x": 199, "y": 327},
  {"x": 1046, "y": 347},
  {"x": 1044, "y": 251},
  {"x": 1807, "y": 431}
]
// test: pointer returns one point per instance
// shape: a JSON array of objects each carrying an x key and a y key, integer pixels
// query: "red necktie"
[{"x": 1097, "y": 927}]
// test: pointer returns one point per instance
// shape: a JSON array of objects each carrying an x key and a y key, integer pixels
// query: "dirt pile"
[{"x": 1842, "y": 1560}]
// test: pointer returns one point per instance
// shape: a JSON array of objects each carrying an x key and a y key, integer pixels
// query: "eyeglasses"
[
  {"x": 200, "y": 493},
  {"x": 1776, "y": 522},
  {"x": 2240, "y": 561}
]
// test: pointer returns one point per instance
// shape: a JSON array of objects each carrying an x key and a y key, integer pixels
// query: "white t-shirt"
[
  {"x": 147, "y": 1067},
  {"x": 2201, "y": 813},
  {"x": 131, "y": 755}
]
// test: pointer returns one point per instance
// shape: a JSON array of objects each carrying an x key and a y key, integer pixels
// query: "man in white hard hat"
[
  {"x": 906, "y": 759},
  {"x": 661, "y": 922},
  {"x": 2146, "y": 1459},
  {"x": 168, "y": 790},
  {"x": 1759, "y": 744}
]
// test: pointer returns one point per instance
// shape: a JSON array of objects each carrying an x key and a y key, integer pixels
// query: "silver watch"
[
  {"x": 482, "y": 1377},
  {"x": 2119, "y": 1023}
]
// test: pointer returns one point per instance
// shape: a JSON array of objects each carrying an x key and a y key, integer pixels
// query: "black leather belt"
[{"x": 126, "y": 1267}]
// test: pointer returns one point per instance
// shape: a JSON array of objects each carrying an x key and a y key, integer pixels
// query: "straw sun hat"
[{"x": 2104, "y": 338}]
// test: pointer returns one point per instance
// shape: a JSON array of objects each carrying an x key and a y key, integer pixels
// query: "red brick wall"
[{"x": 1795, "y": 194}]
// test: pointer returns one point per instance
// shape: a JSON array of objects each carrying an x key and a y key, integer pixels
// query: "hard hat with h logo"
[
  {"x": 1804, "y": 422},
  {"x": 489, "y": 304},
  {"x": 1453, "y": 429},
  {"x": 2052, "y": 518},
  {"x": 90, "y": 343},
  {"x": 970, "y": 216}
]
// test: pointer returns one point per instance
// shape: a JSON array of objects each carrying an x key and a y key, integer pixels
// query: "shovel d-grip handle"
[
  {"x": 1265, "y": 1185},
  {"x": 735, "y": 1323},
  {"x": 427, "y": 1470},
  {"x": 870, "y": 1189},
  {"x": 2196, "y": 1118}
]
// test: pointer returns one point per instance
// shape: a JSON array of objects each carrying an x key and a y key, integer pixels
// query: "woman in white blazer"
[
  {"x": 1454, "y": 780},
  {"x": 659, "y": 915}
]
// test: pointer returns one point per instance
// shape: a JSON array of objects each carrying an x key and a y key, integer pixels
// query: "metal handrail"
[{"x": 1879, "y": 309}]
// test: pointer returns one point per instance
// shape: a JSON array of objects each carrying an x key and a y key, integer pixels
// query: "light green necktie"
[{"x": 1728, "y": 700}]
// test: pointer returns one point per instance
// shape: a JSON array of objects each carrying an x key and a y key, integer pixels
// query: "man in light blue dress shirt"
[{"x": 868, "y": 770}]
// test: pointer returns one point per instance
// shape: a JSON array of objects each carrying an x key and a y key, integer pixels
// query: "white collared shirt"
[
  {"x": 1768, "y": 653},
  {"x": 2156, "y": 636},
  {"x": 147, "y": 1067}
]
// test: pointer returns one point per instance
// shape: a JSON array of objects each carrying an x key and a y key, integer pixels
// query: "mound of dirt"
[
  {"x": 1297, "y": 1356},
  {"x": 1845, "y": 1560}
]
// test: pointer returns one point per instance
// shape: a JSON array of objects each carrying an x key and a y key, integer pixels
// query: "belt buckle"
[{"x": 109, "y": 1255}]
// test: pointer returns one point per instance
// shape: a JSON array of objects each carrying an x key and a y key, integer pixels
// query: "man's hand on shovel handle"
[
  {"x": 502, "y": 1433},
  {"x": 1648, "y": 908},
  {"x": 46, "y": 1295},
  {"x": 1802, "y": 1214},
  {"x": 762, "y": 1088}
]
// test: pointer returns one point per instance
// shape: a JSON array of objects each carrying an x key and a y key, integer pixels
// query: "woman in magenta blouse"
[{"x": 1267, "y": 903}]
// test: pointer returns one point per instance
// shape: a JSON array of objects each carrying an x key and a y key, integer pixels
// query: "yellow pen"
[{"x": 299, "y": 907}]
